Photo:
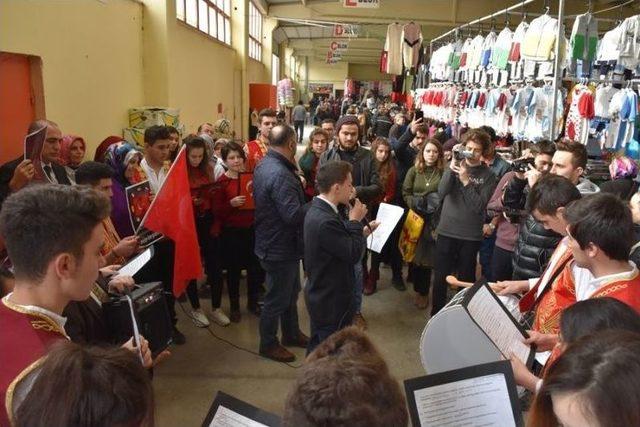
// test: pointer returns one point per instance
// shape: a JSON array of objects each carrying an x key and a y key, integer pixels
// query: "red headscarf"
[
  {"x": 65, "y": 148},
  {"x": 102, "y": 148}
]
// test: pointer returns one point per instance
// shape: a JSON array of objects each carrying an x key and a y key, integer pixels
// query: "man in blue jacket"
[{"x": 279, "y": 216}]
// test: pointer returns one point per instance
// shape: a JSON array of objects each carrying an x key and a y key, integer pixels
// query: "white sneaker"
[
  {"x": 199, "y": 318},
  {"x": 219, "y": 317}
]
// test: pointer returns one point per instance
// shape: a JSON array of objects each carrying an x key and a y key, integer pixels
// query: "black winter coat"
[
  {"x": 535, "y": 244},
  {"x": 365, "y": 175}
]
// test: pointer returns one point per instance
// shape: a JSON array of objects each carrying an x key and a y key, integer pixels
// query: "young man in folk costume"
[
  {"x": 545, "y": 297},
  {"x": 256, "y": 149},
  {"x": 600, "y": 236},
  {"x": 53, "y": 235}
]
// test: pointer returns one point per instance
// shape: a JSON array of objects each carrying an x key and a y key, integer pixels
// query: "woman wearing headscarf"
[
  {"x": 104, "y": 146},
  {"x": 125, "y": 160},
  {"x": 623, "y": 182},
  {"x": 72, "y": 150}
]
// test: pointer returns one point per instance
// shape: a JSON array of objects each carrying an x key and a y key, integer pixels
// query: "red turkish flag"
[{"x": 171, "y": 213}]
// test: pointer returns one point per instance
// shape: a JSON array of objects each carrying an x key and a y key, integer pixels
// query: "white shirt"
[
  {"x": 581, "y": 276},
  {"x": 324, "y": 199},
  {"x": 51, "y": 176},
  {"x": 586, "y": 289},
  {"x": 555, "y": 257},
  {"x": 155, "y": 179}
]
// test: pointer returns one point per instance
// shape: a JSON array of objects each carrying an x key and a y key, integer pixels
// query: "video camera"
[
  {"x": 522, "y": 165},
  {"x": 459, "y": 154}
]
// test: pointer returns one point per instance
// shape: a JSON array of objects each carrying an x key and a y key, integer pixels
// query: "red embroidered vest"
[
  {"x": 24, "y": 338},
  {"x": 255, "y": 150}
]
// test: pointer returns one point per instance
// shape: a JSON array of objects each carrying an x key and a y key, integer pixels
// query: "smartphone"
[{"x": 418, "y": 115}]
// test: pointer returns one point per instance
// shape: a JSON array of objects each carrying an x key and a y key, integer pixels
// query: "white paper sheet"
[
  {"x": 225, "y": 417},
  {"x": 135, "y": 264},
  {"x": 473, "y": 402},
  {"x": 388, "y": 216},
  {"x": 496, "y": 323}
]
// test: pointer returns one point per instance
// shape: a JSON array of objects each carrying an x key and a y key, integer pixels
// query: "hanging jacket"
[
  {"x": 584, "y": 37},
  {"x": 516, "y": 41},
  {"x": 539, "y": 40},
  {"x": 500, "y": 53},
  {"x": 393, "y": 47},
  {"x": 411, "y": 43}
]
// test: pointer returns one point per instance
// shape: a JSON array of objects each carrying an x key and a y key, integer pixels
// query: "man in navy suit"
[{"x": 332, "y": 247}]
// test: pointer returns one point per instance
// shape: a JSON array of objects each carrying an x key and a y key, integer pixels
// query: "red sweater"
[
  {"x": 198, "y": 181},
  {"x": 389, "y": 188},
  {"x": 226, "y": 215}
]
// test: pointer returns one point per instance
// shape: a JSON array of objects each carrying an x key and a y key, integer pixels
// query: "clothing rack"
[
  {"x": 557, "y": 78},
  {"x": 479, "y": 20},
  {"x": 592, "y": 80}
]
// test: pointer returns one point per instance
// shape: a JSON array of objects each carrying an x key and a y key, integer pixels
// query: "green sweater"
[{"x": 420, "y": 183}]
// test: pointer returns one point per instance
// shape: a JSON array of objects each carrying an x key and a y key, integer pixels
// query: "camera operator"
[
  {"x": 465, "y": 189},
  {"x": 506, "y": 219},
  {"x": 535, "y": 244}
]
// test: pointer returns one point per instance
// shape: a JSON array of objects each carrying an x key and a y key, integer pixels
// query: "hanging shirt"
[
  {"x": 475, "y": 53},
  {"x": 521, "y": 101},
  {"x": 502, "y": 48},
  {"x": 466, "y": 48},
  {"x": 411, "y": 43},
  {"x": 611, "y": 133},
  {"x": 581, "y": 111},
  {"x": 603, "y": 97},
  {"x": 393, "y": 47},
  {"x": 628, "y": 114},
  {"x": 630, "y": 43},
  {"x": 516, "y": 41},
  {"x": 609, "y": 50},
  {"x": 487, "y": 49}
]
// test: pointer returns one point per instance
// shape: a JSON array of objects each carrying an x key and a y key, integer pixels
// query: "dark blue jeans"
[
  {"x": 486, "y": 253},
  {"x": 280, "y": 302}
]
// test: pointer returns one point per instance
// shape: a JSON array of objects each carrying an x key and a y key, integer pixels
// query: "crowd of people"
[{"x": 535, "y": 227}]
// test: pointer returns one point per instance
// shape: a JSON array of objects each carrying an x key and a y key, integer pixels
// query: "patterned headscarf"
[
  {"x": 104, "y": 145},
  {"x": 118, "y": 157},
  {"x": 65, "y": 148},
  {"x": 623, "y": 167}
]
